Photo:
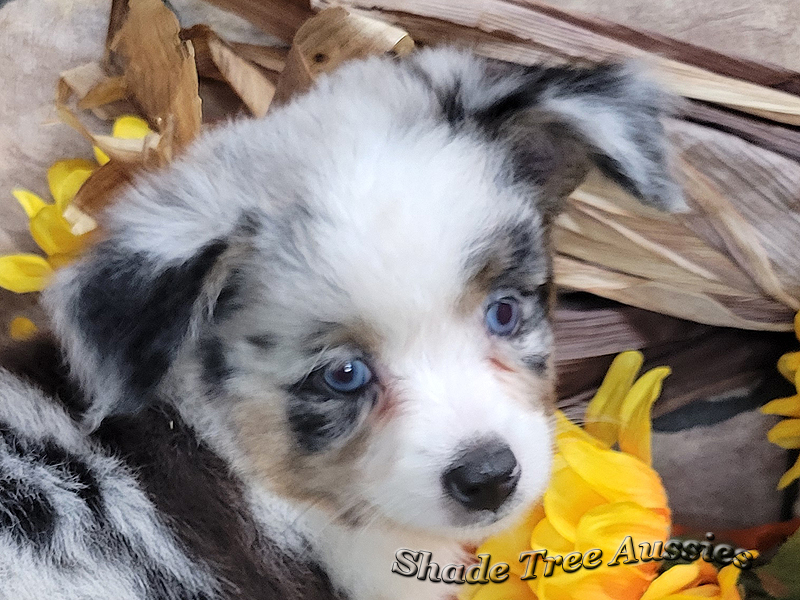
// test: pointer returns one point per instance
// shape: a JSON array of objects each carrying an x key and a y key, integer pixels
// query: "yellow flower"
[
  {"x": 603, "y": 489},
  {"x": 21, "y": 328},
  {"x": 696, "y": 580},
  {"x": 59, "y": 229},
  {"x": 52, "y": 232},
  {"x": 786, "y": 434},
  {"x": 125, "y": 128}
]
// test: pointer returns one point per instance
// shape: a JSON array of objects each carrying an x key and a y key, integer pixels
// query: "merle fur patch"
[
  {"x": 137, "y": 315},
  {"x": 319, "y": 418}
]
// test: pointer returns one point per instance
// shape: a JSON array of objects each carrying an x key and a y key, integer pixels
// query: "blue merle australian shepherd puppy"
[{"x": 314, "y": 339}]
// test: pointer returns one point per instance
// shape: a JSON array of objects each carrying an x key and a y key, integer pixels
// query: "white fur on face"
[{"x": 396, "y": 238}]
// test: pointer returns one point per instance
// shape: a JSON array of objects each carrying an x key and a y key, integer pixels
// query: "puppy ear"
[
  {"x": 122, "y": 315},
  {"x": 557, "y": 122}
]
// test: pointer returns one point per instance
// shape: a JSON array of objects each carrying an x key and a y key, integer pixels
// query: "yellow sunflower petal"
[
  {"x": 606, "y": 527},
  {"x": 53, "y": 232},
  {"x": 567, "y": 499},
  {"x": 789, "y": 365},
  {"x": 635, "y": 427},
  {"x": 565, "y": 427},
  {"x": 30, "y": 202},
  {"x": 672, "y": 580},
  {"x": 511, "y": 589},
  {"x": 602, "y": 414},
  {"x": 21, "y": 328},
  {"x": 632, "y": 479},
  {"x": 612, "y": 583},
  {"x": 129, "y": 127},
  {"x": 508, "y": 545},
  {"x": 728, "y": 578},
  {"x": 708, "y": 590},
  {"x": 546, "y": 537},
  {"x": 23, "y": 273},
  {"x": 785, "y": 407},
  {"x": 100, "y": 156},
  {"x": 786, "y": 434},
  {"x": 66, "y": 177},
  {"x": 62, "y": 260},
  {"x": 790, "y": 476},
  {"x": 797, "y": 326}
]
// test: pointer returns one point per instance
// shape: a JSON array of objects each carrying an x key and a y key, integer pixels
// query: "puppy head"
[{"x": 353, "y": 294}]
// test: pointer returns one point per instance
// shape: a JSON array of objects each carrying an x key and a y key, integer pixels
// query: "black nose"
[{"x": 484, "y": 477}]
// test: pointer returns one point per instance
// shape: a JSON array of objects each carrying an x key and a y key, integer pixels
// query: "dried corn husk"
[
  {"x": 524, "y": 32},
  {"x": 332, "y": 37},
  {"x": 218, "y": 60},
  {"x": 160, "y": 73}
]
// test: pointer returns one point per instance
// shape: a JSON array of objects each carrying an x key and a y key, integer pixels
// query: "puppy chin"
[
  {"x": 469, "y": 527},
  {"x": 485, "y": 526}
]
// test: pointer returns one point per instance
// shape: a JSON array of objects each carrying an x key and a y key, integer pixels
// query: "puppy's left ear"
[{"x": 558, "y": 122}]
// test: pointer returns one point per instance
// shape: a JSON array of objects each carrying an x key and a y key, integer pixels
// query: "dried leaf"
[
  {"x": 281, "y": 18},
  {"x": 105, "y": 185},
  {"x": 94, "y": 90},
  {"x": 702, "y": 84},
  {"x": 119, "y": 12},
  {"x": 267, "y": 57},
  {"x": 82, "y": 79},
  {"x": 656, "y": 296},
  {"x": 111, "y": 89},
  {"x": 739, "y": 236},
  {"x": 527, "y": 32},
  {"x": 198, "y": 35},
  {"x": 633, "y": 254},
  {"x": 329, "y": 39},
  {"x": 218, "y": 60},
  {"x": 160, "y": 72},
  {"x": 122, "y": 150}
]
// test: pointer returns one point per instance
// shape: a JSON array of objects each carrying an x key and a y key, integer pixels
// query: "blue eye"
[
  {"x": 502, "y": 316},
  {"x": 347, "y": 377}
]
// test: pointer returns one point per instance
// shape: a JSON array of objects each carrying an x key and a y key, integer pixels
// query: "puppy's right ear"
[
  {"x": 122, "y": 316},
  {"x": 124, "y": 311}
]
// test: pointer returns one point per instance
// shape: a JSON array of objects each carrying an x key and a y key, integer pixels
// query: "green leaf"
[{"x": 781, "y": 576}]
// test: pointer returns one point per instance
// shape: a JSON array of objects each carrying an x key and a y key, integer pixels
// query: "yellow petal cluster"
[
  {"x": 21, "y": 328},
  {"x": 58, "y": 228},
  {"x": 786, "y": 434},
  {"x": 696, "y": 580},
  {"x": 603, "y": 489}
]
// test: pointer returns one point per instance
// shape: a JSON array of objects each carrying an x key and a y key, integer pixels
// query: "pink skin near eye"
[{"x": 500, "y": 365}]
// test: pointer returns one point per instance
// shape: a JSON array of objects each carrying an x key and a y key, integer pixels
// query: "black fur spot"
[
  {"x": 41, "y": 362},
  {"x": 452, "y": 106},
  {"x": 216, "y": 369},
  {"x": 318, "y": 418},
  {"x": 26, "y": 512},
  {"x": 262, "y": 341},
  {"x": 514, "y": 257},
  {"x": 72, "y": 468},
  {"x": 78, "y": 471},
  {"x": 536, "y": 363},
  {"x": 161, "y": 584},
  {"x": 229, "y": 299},
  {"x": 137, "y": 320},
  {"x": 449, "y": 99},
  {"x": 204, "y": 504}
]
